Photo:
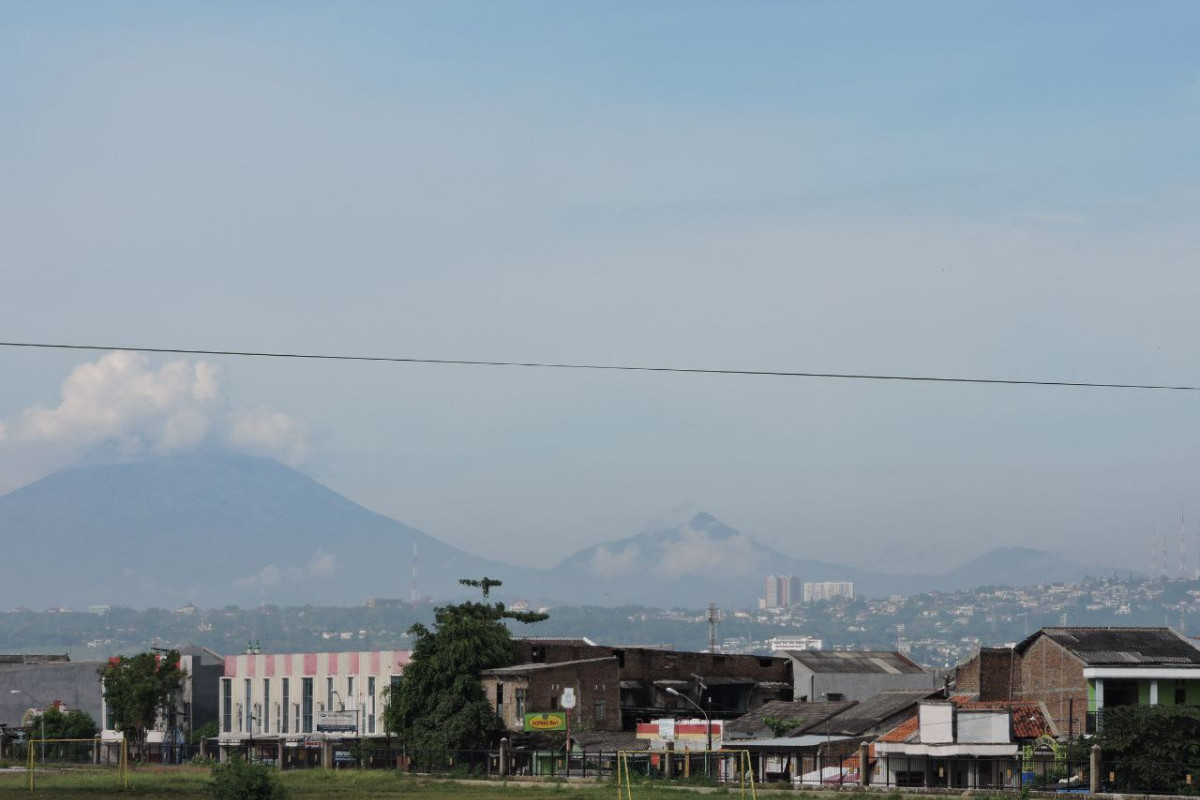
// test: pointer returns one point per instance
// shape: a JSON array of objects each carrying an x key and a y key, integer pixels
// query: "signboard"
[
  {"x": 568, "y": 698},
  {"x": 337, "y": 722},
  {"x": 666, "y": 729},
  {"x": 549, "y": 721}
]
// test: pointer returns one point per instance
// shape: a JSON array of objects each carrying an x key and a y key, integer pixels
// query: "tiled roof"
[
  {"x": 802, "y": 716},
  {"x": 877, "y": 709},
  {"x": 855, "y": 662},
  {"x": 903, "y": 732},
  {"x": 1029, "y": 719},
  {"x": 606, "y": 741},
  {"x": 1123, "y": 646}
]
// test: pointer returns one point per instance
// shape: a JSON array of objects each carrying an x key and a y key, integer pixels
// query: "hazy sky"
[{"x": 984, "y": 189}]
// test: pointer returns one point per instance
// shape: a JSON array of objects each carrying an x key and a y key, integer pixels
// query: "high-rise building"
[
  {"x": 771, "y": 598},
  {"x": 828, "y": 590},
  {"x": 782, "y": 591}
]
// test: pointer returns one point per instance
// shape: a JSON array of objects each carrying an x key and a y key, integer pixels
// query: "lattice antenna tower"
[
  {"x": 1183, "y": 572},
  {"x": 713, "y": 616},
  {"x": 414, "y": 591}
]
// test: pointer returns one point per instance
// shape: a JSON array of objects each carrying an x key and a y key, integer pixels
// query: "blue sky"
[{"x": 986, "y": 189}]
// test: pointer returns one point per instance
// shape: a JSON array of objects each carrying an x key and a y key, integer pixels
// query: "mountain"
[
  {"x": 701, "y": 561},
  {"x": 213, "y": 528},
  {"x": 704, "y": 560},
  {"x": 220, "y": 529}
]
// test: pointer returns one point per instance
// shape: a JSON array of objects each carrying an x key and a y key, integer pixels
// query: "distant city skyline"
[{"x": 989, "y": 190}]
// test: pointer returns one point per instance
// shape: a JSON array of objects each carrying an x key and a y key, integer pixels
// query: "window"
[
  {"x": 620, "y": 654},
  {"x": 350, "y": 691},
  {"x": 306, "y": 701},
  {"x": 371, "y": 704},
  {"x": 500, "y": 699},
  {"x": 264, "y": 716},
  {"x": 226, "y": 705},
  {"x": 598, "y": 710},
  {"x": 538, "y": 654},
  {"x": 284, "y": 707},
  {"x": 329, "y": 694},
  {"x": 249, "y": 706},
  {"x": 554, "y": 702},
  {"x": 835, "y": 697},
  {"x": 1180, "y": 693},
  {"x": 519, "y": 698}
]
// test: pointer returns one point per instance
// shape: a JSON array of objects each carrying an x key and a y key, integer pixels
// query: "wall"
[
  {"x": 1052, "y": 675},
  {"x": 592, "y": 682},
  {"x": 76, "y": 684}
]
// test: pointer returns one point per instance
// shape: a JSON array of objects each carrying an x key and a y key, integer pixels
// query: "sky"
[{"x": 987, "y": 189}]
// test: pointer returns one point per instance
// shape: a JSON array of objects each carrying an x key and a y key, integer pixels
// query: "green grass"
[{"x": 192, "y": 783}]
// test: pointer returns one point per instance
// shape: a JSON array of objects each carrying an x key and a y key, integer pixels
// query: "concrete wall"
[
  {"x": 857, "y": 685},
  {"x": 76, "y": 684}
]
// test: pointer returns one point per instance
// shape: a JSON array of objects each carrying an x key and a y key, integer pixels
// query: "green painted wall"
[{"x": 1144, "y": 693}]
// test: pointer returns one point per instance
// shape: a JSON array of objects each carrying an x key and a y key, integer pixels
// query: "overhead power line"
[{"x": 468, "y": 362}]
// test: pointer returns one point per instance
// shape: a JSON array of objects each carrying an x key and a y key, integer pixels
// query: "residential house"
[
  {"x": 1078, "y": 672},
  {"x": 962, "y": 745}
]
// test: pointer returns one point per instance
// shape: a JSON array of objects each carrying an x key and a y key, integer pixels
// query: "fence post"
[
  {"x": 864, "y": 764},
  {"x": 1094, "y": 782},
  {"x": 504, "y": 757}
]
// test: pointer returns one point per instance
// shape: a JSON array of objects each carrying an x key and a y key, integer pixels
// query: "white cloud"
[
  {"x": 608, "y": 563},
  {"x": 323, "y": 564},
  {"x": 690, "y": 551},
  {"x": 265, "y": 578},
  {"x": 122, "y": 401}
]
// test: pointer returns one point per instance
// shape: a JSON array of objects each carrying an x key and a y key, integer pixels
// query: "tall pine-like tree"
[{"x": 439, "y": 703}]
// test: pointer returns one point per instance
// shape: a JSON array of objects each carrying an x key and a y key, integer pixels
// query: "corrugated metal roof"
[
  {"x": 855, "y": 661},
  {"x": 1123, "y": 646}
]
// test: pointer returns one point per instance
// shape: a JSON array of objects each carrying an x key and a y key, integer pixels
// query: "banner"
[{"x": 548, "y": 721}]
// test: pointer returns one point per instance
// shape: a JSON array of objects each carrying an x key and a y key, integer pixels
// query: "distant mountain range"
[{"x": 219, "y": 529}]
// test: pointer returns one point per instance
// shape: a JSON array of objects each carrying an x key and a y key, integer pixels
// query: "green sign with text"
[{"x": 549, "y": 721}]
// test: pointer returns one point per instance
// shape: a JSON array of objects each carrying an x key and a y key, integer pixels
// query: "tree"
[
  {"x": 138, "y": 690},
  {"x": 74, "y": 724},
  {"x": 1151, "y": 745},
  {"x": 439, "y": 703}
]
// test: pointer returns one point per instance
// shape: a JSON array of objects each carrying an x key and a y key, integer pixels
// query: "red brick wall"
[{"x": 1049, "y": 673}]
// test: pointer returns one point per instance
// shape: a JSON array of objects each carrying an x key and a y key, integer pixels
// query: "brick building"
[
  {"x": 1078, "y": 672},
  {"x": 617, "y": 687}
]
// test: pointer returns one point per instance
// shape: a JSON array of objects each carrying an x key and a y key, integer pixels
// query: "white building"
[
  {"x": 828, "y": 590},
  {"x": 796, "y": 643},
  {"x": 295, "y": 696}
]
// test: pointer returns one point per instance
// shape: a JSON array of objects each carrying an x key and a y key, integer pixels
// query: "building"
[
  {"x": 36, "y": 682},
  {"x": 618, "y": 687},
  {"x": 1078, "y": 672},
  {"x": 828, "y": 590},
  {"x": 781, "y": 643},
  {"x": 304, "y": 696},
  {"x": 197, "y": 703},
  {"x": 782, "y": 591},
  {"x": 964, "y": 745},
  {"x": 854, "y": 675}
]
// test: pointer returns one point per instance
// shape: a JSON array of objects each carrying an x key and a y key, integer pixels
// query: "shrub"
[{"x": 237, "y": 779}]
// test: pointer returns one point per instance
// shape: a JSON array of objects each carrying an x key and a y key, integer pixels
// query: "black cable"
[{"x": 466, "y": 362}]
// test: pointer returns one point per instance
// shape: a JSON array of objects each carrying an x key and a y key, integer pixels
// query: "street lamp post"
[
  {"x": 707, "y": 722},
  {"x": 41, "y": 718}
]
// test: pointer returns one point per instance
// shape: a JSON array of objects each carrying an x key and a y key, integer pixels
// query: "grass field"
[{"x": 186, "y": 783}]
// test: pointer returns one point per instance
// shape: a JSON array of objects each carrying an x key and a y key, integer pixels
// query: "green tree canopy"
[
  {"x": 1150, "y": 745},
  {"x": 74, "y": 724},
  {"x": 138, "y": 689},
  {"x": 439, "y": 703}
]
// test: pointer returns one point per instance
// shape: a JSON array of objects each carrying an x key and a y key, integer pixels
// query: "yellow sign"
[{"x": 548, "y": 721}]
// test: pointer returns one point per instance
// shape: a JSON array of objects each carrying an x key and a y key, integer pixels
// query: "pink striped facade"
[
  {"x": 251, "y": 693},
  {"x": 380, "y": 663}
]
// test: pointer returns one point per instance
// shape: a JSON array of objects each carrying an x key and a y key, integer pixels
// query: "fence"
[{"x": 42, "y": 755}]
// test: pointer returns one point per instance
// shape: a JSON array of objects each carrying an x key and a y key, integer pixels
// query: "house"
[
  {"x": 1078, "y": 672},
  {"x": 962, "y": 744},
  {"x": 854, "y": 675}
]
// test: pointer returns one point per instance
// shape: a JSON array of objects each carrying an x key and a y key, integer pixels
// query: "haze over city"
[{"x": 997, "y": 190}]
